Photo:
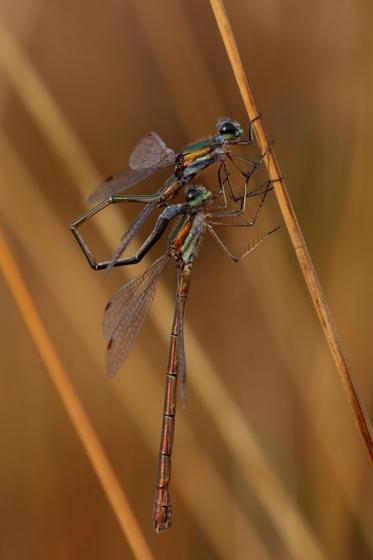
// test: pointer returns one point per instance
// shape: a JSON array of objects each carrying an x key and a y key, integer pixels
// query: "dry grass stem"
[
  {"x": 294, "y": 230},
  {"x": 73, "y": 406}
]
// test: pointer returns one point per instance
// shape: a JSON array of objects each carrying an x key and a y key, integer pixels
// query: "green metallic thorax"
[
  {"x": 189, "y": 248},
  {"x": 194, "y": 158},
  {"x": 201, "y": 145}
]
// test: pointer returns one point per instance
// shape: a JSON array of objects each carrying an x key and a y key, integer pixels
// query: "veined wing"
[
  {"x": 149, "y": 155},
  {"x": 120, "y": 182},
  {"x": 151, "y": 151},
  {"x": 125, "y": 314}
]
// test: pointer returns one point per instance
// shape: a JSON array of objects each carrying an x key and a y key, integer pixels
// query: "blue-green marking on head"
[{"x": 196, "y": 195}]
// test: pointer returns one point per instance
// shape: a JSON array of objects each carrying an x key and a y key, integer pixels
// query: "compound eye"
[
  {"x": 191, "y": 193},
  {"x": 227, "y": 128}
]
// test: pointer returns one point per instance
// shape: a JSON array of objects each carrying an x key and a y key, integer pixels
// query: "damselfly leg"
[
  {"x": 245, "y": 252},
  {"x": 96, "y": 265}
]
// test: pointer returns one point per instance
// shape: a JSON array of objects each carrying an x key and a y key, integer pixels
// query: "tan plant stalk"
[
  {"x": 293, "y": 227},
  {"x": 73, "y": 406}
]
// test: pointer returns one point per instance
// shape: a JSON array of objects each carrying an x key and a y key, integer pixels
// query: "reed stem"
[
  {"x": 73, "y": 406},
  {"x": 294, "y": 229}
]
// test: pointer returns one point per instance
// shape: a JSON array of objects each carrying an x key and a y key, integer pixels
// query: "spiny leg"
[
  {"x": 265, "y": 187},
  {"x": 83, "y": 218},
  {"x": 245, "y": 174},
  {"x": 222, "y": 181},
  {"x": 232, "y": 156},
  {"x": 240, "y": 211},
  {"x": 161, "y": 224},
  {"x": 222, "y": 191},
  {"x": 250, "y": 248},
  {"x": 235, "y": 213},
  {"x": 246, "y": 177}
]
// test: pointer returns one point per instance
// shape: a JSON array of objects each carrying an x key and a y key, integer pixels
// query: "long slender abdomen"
[
  {"x": 162, "y": 512},
  {"x": 162, "y": 500}
]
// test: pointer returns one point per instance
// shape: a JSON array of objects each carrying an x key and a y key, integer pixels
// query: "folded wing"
[
  {"x": 125, "y": 314},
  {"x": 149, "y": 155},
  {"x": 151, "y": 151}
]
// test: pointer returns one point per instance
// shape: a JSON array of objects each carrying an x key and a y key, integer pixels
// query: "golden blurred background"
[{"x": 268, "y": 464}]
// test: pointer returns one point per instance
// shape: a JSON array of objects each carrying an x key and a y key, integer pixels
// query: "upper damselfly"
[{"x": 152, "y": 154}]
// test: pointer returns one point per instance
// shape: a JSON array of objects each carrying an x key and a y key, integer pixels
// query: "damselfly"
[
  {"x": 125, "y": 312},
  {"x": 152, "y": 154}
]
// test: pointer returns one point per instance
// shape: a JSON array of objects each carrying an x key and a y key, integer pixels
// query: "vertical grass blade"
[{"x": 294, "y": 230}]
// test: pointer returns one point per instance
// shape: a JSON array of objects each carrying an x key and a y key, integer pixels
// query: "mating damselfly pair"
[{"x": 202, "y": 211}]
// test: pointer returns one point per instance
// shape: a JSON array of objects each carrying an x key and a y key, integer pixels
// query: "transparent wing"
[
  {"x": 151, "y": 151},
  {"x": 149, "y": 155},
  {"x": 131, "y": 232},
  {"x": 120, "y": 182},
  {"x": 125, "y": 314}
]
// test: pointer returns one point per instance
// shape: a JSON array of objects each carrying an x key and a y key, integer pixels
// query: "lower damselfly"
[{"x": 125, "y": 312}]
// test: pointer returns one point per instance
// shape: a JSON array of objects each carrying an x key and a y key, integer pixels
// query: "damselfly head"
[
  {"x": 229, "y": 129},
  {"x": 196, "y": 195}
]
